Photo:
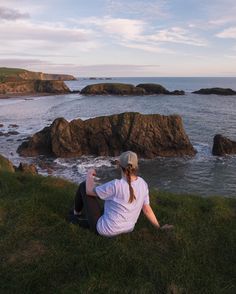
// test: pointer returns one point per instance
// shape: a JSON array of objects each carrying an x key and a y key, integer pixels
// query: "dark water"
[{"x": 203, "y": 117}]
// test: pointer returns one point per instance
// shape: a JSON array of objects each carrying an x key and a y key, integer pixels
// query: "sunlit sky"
[{"x": 120, "y": 38}]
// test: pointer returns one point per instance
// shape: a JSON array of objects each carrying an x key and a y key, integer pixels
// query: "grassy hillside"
[
  {"x": 41, "y": 253},
  {"x": 6, "y": 72}
]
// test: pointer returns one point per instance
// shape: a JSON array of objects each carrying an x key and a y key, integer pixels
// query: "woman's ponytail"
[{"x": 128, "y": 172}]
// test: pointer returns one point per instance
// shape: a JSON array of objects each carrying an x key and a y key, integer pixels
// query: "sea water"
[{"x": 203, "y": 117}]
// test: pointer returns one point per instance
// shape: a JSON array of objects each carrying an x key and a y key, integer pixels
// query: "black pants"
[{"x": 90, "y": 204}]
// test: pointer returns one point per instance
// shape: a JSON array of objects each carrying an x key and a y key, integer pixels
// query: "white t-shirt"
[{"x": 119, "y": 215}]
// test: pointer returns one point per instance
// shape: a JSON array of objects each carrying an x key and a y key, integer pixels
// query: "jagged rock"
[
  {"x": 10, "y": 133},
  {"x": 112, "y": 89},
  {"x": 148, "y": 135},
  {"x": 223, "y": 146},
  {"x": 13, "y": 126},
  {"x": 27, "y": 168},
  {"x": 6, "y": 165},
  {"x": 216, "y": 91}
]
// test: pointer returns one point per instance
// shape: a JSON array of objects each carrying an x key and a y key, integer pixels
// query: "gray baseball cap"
[{"x": 127, "y": 158}]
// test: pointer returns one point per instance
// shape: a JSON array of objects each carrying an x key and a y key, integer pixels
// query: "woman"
[{"x": 124, "y": 200}]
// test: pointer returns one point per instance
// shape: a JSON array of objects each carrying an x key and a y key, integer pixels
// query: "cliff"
[
  {"x": 33, "y": 87},
  {"x": 147, "y": 135}
]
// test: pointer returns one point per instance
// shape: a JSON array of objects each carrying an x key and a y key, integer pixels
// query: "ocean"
[{"x": 203, "y": 117}]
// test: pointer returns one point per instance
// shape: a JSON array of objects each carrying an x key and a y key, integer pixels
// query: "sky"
[{"x": 113, "y": 38}]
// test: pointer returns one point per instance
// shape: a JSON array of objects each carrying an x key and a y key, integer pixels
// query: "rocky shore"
[{"x": 148, "y": 135}]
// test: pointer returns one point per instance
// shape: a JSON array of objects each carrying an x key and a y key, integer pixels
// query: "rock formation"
[
  {"x": 216, "y": 91},
  {"x": 112, "y": 89},
  {"x": 127, "y": 89},
  {"x": 223, "y": 146},
  {"x": 148, "y": 135},
  {"x": 34, "y": 87},
  {"x": 151, "y": 89}
]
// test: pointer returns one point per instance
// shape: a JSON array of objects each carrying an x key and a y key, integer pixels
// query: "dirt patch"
[
  {"x": 3, "y": 215},
  {"x": 29, "y": 253},
  {"x": 174, "y": 289}
]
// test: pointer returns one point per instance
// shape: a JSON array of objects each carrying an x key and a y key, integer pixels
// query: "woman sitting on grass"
[{"x": 124, "y": 200}]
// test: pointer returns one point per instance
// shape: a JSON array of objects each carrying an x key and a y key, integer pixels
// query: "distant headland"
[{"x": 21, "y": 82}]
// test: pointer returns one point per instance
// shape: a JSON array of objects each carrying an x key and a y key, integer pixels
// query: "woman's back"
[{"x": 119, "y": 214}]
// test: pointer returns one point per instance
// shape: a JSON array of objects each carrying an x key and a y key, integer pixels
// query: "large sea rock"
[
  {"x": 151, "y": 89},
  {"x": 216, "y": 91},
  {"x": 127, "y": 89},
  {"x": 112, "y": 89},
  {"x": 223, "y": 146},
  {"x": 148, "y": 135},
  {"x": 33, "y": 87}
]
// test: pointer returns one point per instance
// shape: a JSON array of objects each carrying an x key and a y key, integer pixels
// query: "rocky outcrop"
[
  {"x": 27, "y": 168},
  {"x": 216, "y": 91},
  {"x": 34, "y": 87},
  {"x": 151, "y": 89},
  {"x": 148, "y": 135},
  {"x": 223, "y": 146},
  {"x": 127, "y": 89},
  {"x": 6, "y": 165},
  {"x": 112, "y": 89}
]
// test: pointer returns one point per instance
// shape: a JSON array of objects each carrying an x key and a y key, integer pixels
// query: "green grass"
[
  {"x": 41, "y": 253},
  {"x": 6, "y": 72}
]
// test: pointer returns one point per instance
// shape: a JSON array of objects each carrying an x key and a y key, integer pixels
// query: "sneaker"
[{"x": 78, "y": 219}]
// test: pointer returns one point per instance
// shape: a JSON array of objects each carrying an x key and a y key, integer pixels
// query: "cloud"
[
  {"x": 26, "y": 30},
  {"x": 229, "y": 33},
  {"x": 177, "y": 35},
  {"x": 147, "y": 9},
  {"x": 12, "y": 14},
  {"x": 123, "y": 27},
  {"x": 139, "y": 34}
]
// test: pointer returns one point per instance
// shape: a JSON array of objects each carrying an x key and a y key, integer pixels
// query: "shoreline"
[{"x": 32, "y": 95}]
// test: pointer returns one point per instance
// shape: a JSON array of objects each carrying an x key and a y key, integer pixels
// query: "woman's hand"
[
  {"x": 90, "y": 185},
  {"x": 91, "y": 172},
  {"x": 167, "y": 227}
]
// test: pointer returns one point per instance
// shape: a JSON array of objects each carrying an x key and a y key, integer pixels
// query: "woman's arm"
[
  {"x": 90, "y": 185},
  {"x": 147, "y": 210}
]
